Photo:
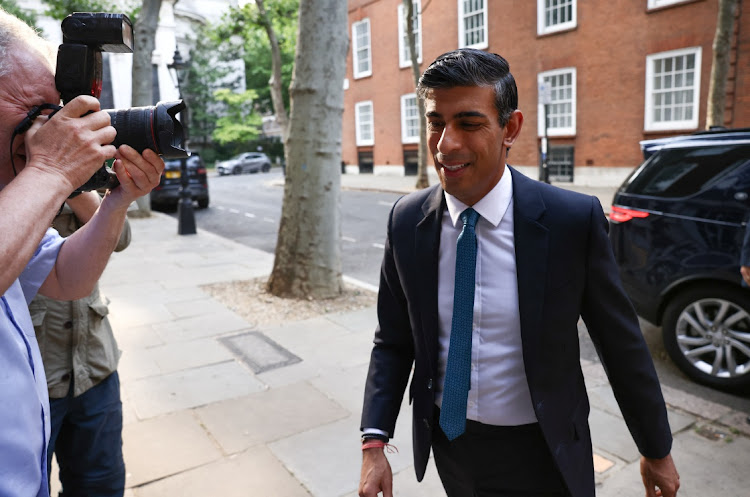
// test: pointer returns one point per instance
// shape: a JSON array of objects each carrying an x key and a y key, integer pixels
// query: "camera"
[{"x": 79, "y": 72}]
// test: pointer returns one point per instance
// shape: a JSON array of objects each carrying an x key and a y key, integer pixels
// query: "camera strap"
[{"x": 26, "y": 124}]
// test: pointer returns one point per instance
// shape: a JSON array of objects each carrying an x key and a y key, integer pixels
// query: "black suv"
[
  {"x": 677, "y": 226},
  {"x": 167, "y": 194}
]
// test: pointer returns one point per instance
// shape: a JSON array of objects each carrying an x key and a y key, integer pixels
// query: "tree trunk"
[
  {"x": 422, "y": 180},
  {"x": 144, "y": 34},
  {"x": 717, "y": 86},
  {"x": 275, "y": 81},
  {"x": 308, "y": 251}
]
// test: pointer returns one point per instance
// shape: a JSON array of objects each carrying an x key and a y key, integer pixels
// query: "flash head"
[{"x": 102, "y": 31}]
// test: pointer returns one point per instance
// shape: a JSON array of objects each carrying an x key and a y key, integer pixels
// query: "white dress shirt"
[{"x": 499, "y": 393}]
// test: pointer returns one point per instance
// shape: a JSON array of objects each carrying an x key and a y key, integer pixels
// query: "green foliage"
[
  {"x": 246, "y": 37},
  {"x": 239, "y": 123},
  {"x": 60, "y": 9},
  {"x": 27, "y": 16}
]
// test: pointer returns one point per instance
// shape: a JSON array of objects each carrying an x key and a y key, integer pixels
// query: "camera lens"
[{"x": 155, "y": 128}]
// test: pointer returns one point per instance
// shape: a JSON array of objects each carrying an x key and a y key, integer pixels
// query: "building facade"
[{"x": 614, "y": 75}]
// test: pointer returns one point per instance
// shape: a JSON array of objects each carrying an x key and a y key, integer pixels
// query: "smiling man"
[
  {"x": 482, "y": 284},
  {"x": 39, "y": 169}
]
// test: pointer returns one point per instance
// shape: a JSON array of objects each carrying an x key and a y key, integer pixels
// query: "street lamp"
[{"x": 185, "y": 214}]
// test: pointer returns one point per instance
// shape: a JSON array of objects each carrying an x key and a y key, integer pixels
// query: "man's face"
[
  {"x": 466, "y": 141},
  {"x": 30, "y": 82}
]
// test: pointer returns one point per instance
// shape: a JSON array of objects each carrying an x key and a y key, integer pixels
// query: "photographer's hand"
[
  {"x": 138, "y": 174},
  {"x": 72, "y": 144}
]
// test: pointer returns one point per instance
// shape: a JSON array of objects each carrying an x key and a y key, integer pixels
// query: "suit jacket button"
[{"x": 429, "y": 384}]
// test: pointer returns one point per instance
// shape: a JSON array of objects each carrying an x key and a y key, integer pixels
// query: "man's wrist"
[{"x": 371, "y": 437}]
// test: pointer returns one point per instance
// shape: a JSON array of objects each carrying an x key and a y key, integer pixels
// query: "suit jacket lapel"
[
  {"x": 532, "y": 247},
  {"x": 427, "y": 244}
]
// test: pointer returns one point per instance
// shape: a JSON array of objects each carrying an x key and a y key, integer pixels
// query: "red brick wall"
[{"x": 608, "y": 48}]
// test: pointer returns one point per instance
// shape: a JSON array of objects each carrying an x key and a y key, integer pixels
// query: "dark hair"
[{"x": 471, "y": 67}]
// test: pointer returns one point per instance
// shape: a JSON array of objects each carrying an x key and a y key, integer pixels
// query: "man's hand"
[
  {"x": 660, "y": 473},
  {"x": 72, "y": 144},
  {"x": 138, "y": 174},
  {"x": 376, "y": 474},
  {"x": 745, "y": 271}
]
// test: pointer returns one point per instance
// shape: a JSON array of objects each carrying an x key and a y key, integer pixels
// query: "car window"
[{"x": 685, "y": 171}]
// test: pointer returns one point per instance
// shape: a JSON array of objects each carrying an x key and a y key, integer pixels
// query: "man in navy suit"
[{"x": 542, "y": 259}]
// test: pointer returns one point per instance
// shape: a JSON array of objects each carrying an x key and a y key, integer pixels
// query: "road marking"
[
  {"x": 221, "y": 207},
  {"x": 248, "y": 214},
  {"x": 378, "y": 245},
  {"x": 383, "y": 202},
  {"x": 269, "y": 220},
  {"x": 348, "y": 239},
  {"x": 234, "y": 211}
]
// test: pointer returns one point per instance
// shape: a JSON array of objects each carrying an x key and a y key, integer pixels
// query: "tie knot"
[{"x": 469, "y": 217}]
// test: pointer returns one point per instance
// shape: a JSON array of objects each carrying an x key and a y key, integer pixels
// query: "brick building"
[{"x": 618, "y": 74}]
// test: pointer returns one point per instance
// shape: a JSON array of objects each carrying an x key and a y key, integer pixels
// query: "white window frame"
[
  {"x": 541, "y": 15},
  {"x": 362, "y": 141},
  {"x": 403, "y": 46},
  {"x": 356, "y": 48},
  {"x": 655, "y": 4},
  {"x": 405, "y": 137},
  {"x": 566, "y": 130},
  {"x": 462, "y": 29},
  {"x": 649, "y": 123}
]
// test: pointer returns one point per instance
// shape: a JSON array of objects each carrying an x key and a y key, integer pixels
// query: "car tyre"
[
  {"x": 706, "y": 333},
  {"x": 266, "y": 167},
  {"x": 202, "y": 203},
  {"x": 237, "y": 170}
]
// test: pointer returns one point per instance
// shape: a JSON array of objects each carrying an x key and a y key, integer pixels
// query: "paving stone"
[
  {"x": 359, "y": 321},
  {"x": 253, "y": 473},
  {"x": 327, "y": 459},
  {"x": 191, "y": 388},
  {"x": 693, "y": 404},
  {"x": 126, "y": 313},
  {"x": 138, "y": 337},
  {"x": 178, "y": 356},
  {"x": 610, "y": 433},
  {"x": 347, "y": 386},
  {"x": 257, "y": 351},
  {"x": 165, "y": 446},
  {"x": 737, "y": 421},
  {"x": 267, "y": 416},
  {"x": 207, "y": 325},
  {"x": 135, "y": 364},
  {"x": 602, "y": 464},
  {"x": 189, "y": 308}
]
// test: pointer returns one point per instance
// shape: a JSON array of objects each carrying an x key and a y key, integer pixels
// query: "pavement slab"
[
  {"x": 253, "y": 473},
  {"x": 172, "y": 392},
  {"x": 263, "y": 417},
  {"x": 181, "y": 444}
]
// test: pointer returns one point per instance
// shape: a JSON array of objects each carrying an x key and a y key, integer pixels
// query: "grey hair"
[
  {"x": 15, "y": 34},
  {"x": 471, "y": 67}
]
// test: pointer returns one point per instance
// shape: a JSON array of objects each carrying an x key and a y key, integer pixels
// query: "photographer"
[{"x": 38, "y": 171}]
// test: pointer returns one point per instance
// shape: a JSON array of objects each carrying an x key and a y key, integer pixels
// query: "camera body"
[{"x": 79, "y": 72}]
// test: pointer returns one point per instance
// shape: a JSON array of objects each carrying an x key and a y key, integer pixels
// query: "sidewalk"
[{"x": 216, "y": 407}]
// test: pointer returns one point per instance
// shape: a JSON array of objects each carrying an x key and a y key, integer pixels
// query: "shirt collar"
[{"x": 492, "y": 207}]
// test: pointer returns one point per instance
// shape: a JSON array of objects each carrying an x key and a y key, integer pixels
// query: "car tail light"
[
  {"x": 201, "y": 170},
  {"x": 622, "y": 215}
]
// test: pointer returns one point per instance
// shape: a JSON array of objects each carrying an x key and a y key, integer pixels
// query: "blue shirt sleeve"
[{"x": 41, "y": 264}]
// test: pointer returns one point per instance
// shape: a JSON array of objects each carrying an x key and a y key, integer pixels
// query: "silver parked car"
[{"x": 247, "y": 162}]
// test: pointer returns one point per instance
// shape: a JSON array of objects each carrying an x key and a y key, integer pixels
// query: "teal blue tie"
[{"x": 458, "y": 368}]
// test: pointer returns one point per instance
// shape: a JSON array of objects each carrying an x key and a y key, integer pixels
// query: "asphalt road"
[{"x": 247, "y": 209}]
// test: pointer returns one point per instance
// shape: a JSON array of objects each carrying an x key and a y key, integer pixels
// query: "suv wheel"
[
  {"x": 266, "y": 167},
  {"x": 237, "y": 170},
  {"x": 706, "y": 332}
]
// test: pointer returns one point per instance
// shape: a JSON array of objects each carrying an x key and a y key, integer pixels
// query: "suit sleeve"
[
  {"x": 393, "y": 351},
  {"x": 614, "y": 328},
  {"x": 745, "y": 254}
]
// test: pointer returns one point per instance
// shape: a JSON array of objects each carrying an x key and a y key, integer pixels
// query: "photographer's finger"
[
  {"x": 81, "y": 105},
  {"x": 149, "y": 162}
]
